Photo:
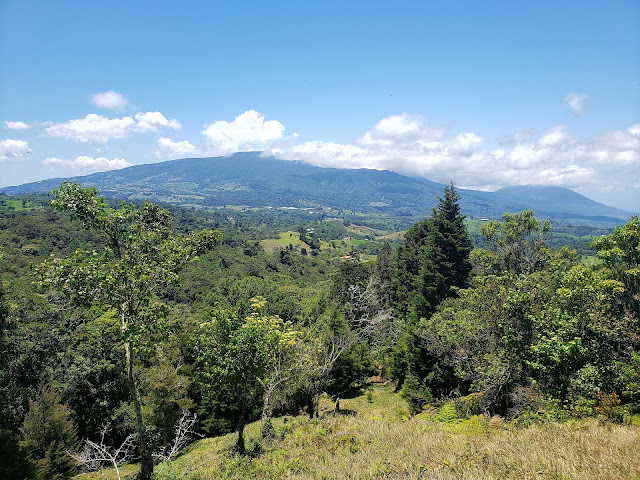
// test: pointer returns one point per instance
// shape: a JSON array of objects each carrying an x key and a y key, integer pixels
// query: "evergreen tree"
[
  {"x": 48, "y": 435},
  {"x": 444, "y": 262},
  {"x": 408, "y": 267}
]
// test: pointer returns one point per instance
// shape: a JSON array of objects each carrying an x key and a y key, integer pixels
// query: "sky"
[{"x": 484, "y": 94}]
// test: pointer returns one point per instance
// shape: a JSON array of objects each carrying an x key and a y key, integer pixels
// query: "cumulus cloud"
[
  {"x": 16, "y": 125},
  {"x": 98, "y": 129},
  {"x": 93, "y": 128},
  {"x": 248, "y": 132},
  {"x": 99, "y": 164},
  {"x": 154, "y": 121},
  {"x": 13, "y": 150},
  {"x": 408, "y": 145},
  {"x": 400, "y": 131},
  {"x": 170, "y": 149},
  {"x": 575, "y": 100},
  {"x": 110, "y": 100}
]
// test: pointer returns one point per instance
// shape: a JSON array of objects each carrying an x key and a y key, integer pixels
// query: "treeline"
[{"x": 104, "y": 341}]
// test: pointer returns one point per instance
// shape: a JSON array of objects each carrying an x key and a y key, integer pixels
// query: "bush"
[
  {"x": 254, "y": 449},
  {"x": 609, "y": 406},
  {"x": 473, "y": 404},
  {"x": 416, "y": 394},
  {"x": 447, "y": 414}
]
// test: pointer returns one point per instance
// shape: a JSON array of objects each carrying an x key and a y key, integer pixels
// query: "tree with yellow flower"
[{"x": 241, "y": 361}]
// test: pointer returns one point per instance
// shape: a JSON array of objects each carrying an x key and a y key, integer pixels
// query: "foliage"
[
  {"x": 519, "y": 242},
  {"x": 444, "y": 261},
  {"x": 48, "y": 435},
  {"x": 620, "y": 252},
  {"x": 235, "y": 357},
  {"x": 417, "y": 395},
  {"x": 14, "y": 458},
  {"x": 142, "y": 256}
]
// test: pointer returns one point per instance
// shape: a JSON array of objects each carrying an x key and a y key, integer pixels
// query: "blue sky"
[{"x": 486, "y": 94}]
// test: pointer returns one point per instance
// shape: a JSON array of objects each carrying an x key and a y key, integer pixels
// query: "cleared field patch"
[
  {"x": 392, "y": 237},
  {"x": 363, "y": 230},
  {"x": 285, "y": 239},
  {"x": 19, "y": 205}
]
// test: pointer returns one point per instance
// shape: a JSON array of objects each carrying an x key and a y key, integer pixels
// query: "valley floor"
[{"x": 373, "y": 437}]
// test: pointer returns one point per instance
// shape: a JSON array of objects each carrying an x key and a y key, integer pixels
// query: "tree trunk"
[
  {"x": 337, "y": 405},
  {"x": 146, "y": 459},
  {"x": 311, "y": 408},
  {"x": 240, "y": 449}
]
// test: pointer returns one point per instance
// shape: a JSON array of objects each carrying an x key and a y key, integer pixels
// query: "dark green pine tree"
[
  {"x": 408, "y": 267},
  {"x": 444, "y": 261}
]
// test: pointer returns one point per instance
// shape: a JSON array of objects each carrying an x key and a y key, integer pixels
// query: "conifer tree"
[
  {"x": 444, "y": 262},
  {"x": 49, "y": 434}
]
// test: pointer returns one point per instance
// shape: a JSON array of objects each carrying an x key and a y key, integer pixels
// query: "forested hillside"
[
  {"x": 127, "y": 331},
  {"x": 251, "y": 179}
]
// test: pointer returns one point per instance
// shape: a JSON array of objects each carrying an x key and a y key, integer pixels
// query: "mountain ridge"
[{"x": 253, "y": 180}]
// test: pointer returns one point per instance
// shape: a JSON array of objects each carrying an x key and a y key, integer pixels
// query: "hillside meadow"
[{"x": 374, "y": 437}]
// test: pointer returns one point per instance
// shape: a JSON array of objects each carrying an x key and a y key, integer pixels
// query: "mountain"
[{"x": 252, "y": 180}]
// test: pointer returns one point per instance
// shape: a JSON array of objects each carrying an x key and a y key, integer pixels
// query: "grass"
[
  {"x": 16, "y": 205},
  {"x": 590, "y": 261},
  {"x": 364, "y": 230},
  {"x": 375, "y": 438},
  {"x": 273, "y": 244}
]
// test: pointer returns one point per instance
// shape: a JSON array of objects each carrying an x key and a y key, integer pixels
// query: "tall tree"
[
  {"x": 141, "y": 257},
  {"x": 517, "y": 245},
  {"x": 620, "y": 252},
  {"x": 445, "y": 264}
]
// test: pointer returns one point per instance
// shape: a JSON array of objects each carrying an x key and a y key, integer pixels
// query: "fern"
[{"x": 447, "y": 414}]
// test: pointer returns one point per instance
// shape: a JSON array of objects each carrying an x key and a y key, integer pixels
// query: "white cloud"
[
  {"x": 248, "y": 132},
  {"x": 554, "y": 137},
  {"x": 13, "y": 150},
  {"x": 99, "y": 164},
  {"x": 154, "y": 121},
  {"x": 16, "y": 125},
  {"x": 92, "y": 129},
  {"x": 97, "y": 129},
  {"x": 170, "y": 149},
  {"x": 404, "y": 144},
  {"x": 110, "y": 100},
  {"x": 398, "y": 131},
  {"x": 575, "y": 100},
  {"x": 328, "y": 154}
]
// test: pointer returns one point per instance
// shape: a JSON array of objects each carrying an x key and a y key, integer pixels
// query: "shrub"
[
  {"x": 473, "y": 404},
  {"x": 447, "y": 414},
  {"x": 416, "y": 394},
  {"x": 609, "y": 406}
]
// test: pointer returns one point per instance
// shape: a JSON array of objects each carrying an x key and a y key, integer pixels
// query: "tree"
[
  {"x": 620, "y": 252},
  {"x": 237, "y": 359},
  {"x": 49, "y": 434},
  {"x": 141, "y": 256},
  {"x": 519, "y": 242},
  {"x": 408, "y": 267},
  {"x": 445, "y": 264}
]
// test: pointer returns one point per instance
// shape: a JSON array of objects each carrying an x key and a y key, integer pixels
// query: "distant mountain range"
[{"x": 251, "y": 180}]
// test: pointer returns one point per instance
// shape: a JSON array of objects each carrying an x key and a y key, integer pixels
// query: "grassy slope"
[
  {"x": 377, "y": 439},
  {"x": 272, "y": 245}
]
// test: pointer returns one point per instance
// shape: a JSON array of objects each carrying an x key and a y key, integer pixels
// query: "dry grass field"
[{"x": 374, "y": 438}]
